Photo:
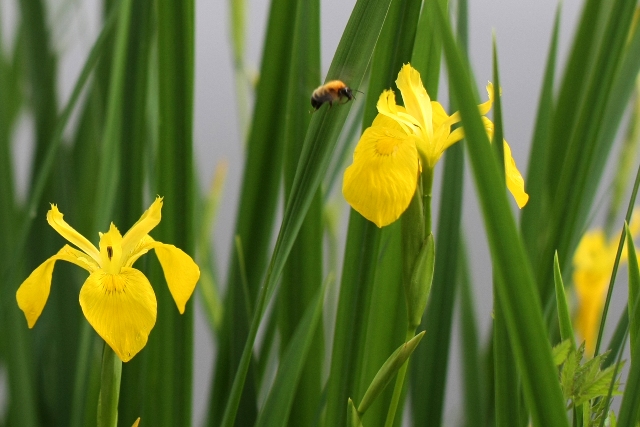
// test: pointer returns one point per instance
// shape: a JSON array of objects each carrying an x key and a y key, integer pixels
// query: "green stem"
[
  {"x": 109, "y": 388},
  {"x": 397, "y": 390},
  {"x": 427, "y": 185}
]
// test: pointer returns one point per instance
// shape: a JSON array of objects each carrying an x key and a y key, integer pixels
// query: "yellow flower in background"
[
  {"x": 117, "y": 300},
  {"x": 592, "y": 267},
  {"x": 401, "y": 141}
]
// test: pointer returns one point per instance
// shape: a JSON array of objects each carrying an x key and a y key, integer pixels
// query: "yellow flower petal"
[
  {"x": 54, "y": 218},
  {"x": 455, "y": 136},
  {"x": 180, "y": 272},
  {"x": 111, "y": 250},
  {"x": 592, "y": 267},
  {"x": 79, "y": 258},
  {"x": 144, "y": 245},
  {"x": 147, "y": 222},
  {"x": 33, "y": 293},
  {"x": 135, "y": 424},
  {"x": 387, "y": 107},
  {"x": 515, "y": 182},
  {"x": 383, "y": 121},
  {"x": 383, "y": 177},
  {"x": 485, "y": 107},
  {"x": 121, "y": 308},
  {"x": 415, "y": 98},
  {"x": 588, "y": 320}
]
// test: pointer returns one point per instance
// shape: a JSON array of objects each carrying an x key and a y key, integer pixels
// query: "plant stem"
[
  {"x": 397, "y": 390},
  {"x": 109, "y": 388}
]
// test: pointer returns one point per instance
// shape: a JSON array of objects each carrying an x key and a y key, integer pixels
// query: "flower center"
[{"x": 113, "y": 283}]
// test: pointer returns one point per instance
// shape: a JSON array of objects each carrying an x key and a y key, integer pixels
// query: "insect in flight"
[{"x": 331, "y": 92}]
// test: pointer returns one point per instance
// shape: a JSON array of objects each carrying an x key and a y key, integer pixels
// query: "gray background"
[{"x": 523, "y": 31}]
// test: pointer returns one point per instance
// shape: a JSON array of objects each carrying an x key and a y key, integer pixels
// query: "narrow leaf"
[
  {"x": 566, "y": 330},
  {"x": 516, "y": 290},
  {"x": 388, "y": 370}
]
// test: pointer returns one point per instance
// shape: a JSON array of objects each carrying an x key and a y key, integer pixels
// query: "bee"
[{"x": 331, "y": 92}]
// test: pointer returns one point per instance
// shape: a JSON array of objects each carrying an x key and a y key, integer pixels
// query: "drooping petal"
[
  {"x": 515, "y": 182},
  {"x": 180, "y": 272},
  {"x": 383, "y": 177},
  {"x": 415, "y": 98},
  {"x": 121, "y": 308},
  {"x": 147, "y": 222},
  {"x": 54, "y": 218},
  {"x": 33, "y": 293}
]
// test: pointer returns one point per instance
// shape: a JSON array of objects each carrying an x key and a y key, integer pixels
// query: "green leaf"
[
  {"x": 630, "y": 406},
  {"x": 576, "y": 187},
  {"x": 634, "y": 293},
  {"x": 473, "y": 374},
  {"x": 353, "y": 418},
  {"x": 430, "y": 362},
  {"x": 506, "y": 379},
  {"x": 168, "y": 393},
  {"x": 259, "y": 196},
  {"x": 358, "y": 275},
  {"x": 516, "y": 290},
  {"x": 536, "y": 210},
  {"x": 507, "y": 388},
  {"x": 349, "y": 64},
  {"x": 561, "y": 352},
  {"x": 564, "y": 319},
  {"x": 383, "y": 323},
  {"x": 388, "y": 370},
  {"x": 302, "y": 275},
  {"x": 278, "y": 403}
]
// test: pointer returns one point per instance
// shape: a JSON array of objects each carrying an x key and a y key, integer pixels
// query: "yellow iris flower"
[
  {"x": 401, "y": 141},
  {"x": 117, "y": 300},
  {"x": 592, "y": 267}
]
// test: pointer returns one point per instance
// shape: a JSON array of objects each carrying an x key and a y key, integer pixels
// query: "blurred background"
[{"x": 522, "y": 30}]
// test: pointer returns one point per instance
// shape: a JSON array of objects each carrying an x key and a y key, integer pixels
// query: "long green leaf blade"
[
  {"x": 279, "y": 403},
  {"x": 349, "y": 64},
  {"x": 167, "y": 401},
  {"x": 521, "y": 305}
]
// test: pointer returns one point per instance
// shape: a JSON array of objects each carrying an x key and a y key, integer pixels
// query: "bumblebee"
[{"x": 331, "y": 92}]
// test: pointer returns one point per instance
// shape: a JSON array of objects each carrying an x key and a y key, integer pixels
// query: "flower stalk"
[{"x": 110, "y": 376}]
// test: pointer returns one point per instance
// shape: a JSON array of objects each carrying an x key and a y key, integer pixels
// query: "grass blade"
[
  {"x": 564, "y": 319},
  {"x": 167, "y": 401},
  {"x": 279, "y": 403},
  {"x": 302, "y": 275},
  {"x": 260, "y": 192},
  {"x": 533, "y": 214},
  {"x": 349, "y": 64},
  {"x": 519, "y": 301}
]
